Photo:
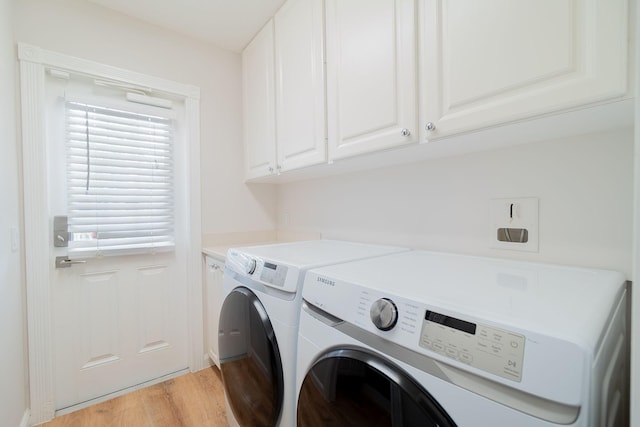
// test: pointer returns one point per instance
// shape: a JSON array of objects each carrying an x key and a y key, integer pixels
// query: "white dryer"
[
  {"x": 258, "y": 325},
  {"x": 428, "y": 339}
]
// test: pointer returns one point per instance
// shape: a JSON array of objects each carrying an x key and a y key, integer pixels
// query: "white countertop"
[
  {"x": 220, "y": 252},
  {"x": 217, "y": 245}
]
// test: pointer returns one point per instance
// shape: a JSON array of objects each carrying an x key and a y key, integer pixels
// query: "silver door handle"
[{"x": 64, "y": 262}]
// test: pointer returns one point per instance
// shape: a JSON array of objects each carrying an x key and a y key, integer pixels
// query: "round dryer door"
[
  {"x": 250, "y": 360},
  {"x": 356, "y": 388}
]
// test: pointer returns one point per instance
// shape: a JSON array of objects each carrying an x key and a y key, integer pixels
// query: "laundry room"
[{"x": 392, "y": 126}]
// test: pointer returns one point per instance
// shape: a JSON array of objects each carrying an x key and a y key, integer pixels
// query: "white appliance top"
[
  {"x": 565, "y": 302},
  {"x": 519, "y": 324},
  {"x": 282, "y": 265}
]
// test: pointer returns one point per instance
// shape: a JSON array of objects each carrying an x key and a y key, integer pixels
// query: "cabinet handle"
[
  {"x": 270, "y": 169},
  {"x": 405, "y": 132},
  {"x": 430, "y": 126}
]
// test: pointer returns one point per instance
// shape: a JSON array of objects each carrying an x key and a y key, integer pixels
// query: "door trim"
[{"x": 34, "y": 62}]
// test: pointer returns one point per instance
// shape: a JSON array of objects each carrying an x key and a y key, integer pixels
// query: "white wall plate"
[{"x": 514, "y": 214}]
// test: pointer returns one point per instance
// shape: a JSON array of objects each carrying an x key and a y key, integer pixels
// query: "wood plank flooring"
[{"x": 191, "y": 400}]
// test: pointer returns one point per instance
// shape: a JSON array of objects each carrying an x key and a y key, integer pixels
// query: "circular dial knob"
[
  {"x": 250, "y": 267},
  {"x": 384, "y": 314}
]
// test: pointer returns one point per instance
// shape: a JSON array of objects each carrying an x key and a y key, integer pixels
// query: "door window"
[{"x": 119, "y": 180}]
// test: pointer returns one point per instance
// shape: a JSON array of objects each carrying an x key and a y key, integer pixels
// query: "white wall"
[
  {"x": 585, "y": 187},
  {"x": 85, "y": 30},
  {"x": 13, "y": 369}
]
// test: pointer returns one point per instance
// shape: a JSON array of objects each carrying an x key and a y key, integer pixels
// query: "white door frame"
[
  {"x": 635, "y": 285},
  {"x": 34, "y": 63}
]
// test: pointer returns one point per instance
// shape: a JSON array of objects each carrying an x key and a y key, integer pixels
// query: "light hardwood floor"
[{"x": 191, "y": 400}]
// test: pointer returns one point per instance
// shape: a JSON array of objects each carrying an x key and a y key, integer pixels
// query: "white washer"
[
  {"x": 420, "y": 339},
  {"x": 259, "y": 324}
]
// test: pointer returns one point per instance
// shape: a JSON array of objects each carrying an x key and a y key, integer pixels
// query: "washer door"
[
  {"x": 250, "y": 360},
  {"x": 356, "y": 388}
]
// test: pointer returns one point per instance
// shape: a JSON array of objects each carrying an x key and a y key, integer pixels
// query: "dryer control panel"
[
  {"x": 493, "y": 350},
  {"x": 273, "y": 274},
  {"x": 269, "y": 273}
]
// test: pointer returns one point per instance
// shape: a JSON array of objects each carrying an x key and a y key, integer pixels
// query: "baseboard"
[{"x": 26, "y": 418}]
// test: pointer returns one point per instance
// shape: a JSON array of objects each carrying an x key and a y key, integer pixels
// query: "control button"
[
  {"x": 453, "y": 353},
  {"x": 384, "y": 314},
  {"x": 514, "y": 344},
  {"x": 466, "y": 357},
  {"x": 438, "y": 347}
]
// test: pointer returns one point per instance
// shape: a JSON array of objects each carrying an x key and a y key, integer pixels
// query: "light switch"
[{"x": 514, "y": 224}]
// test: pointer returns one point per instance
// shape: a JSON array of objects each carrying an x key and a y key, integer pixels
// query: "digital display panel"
[
  {"x": 270, "y": 266},
  {"x": 450, "y": 322}
]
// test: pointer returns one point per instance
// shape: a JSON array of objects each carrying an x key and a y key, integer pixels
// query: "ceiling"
[{"x": 230, "y": 24}]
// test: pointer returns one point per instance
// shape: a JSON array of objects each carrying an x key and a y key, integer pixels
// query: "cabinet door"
[
  {"x": 300, "y": 88},
  {"x": 259, "y": 104},
  {"x": 214, "y": 293},
  {"x": 371, "y": 75},
  {"x": 491, "y": 62}
]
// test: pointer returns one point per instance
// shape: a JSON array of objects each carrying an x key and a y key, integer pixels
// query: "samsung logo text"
[{"x": 326, "y": 281}]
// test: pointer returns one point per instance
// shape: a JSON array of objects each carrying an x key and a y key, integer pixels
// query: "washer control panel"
[{"x": 492, "y": 350}]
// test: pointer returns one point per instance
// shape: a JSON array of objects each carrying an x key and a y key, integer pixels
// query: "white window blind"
[{"x": 119, "y": 181}]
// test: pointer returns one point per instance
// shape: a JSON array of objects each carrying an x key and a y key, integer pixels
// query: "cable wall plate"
[{"x": 514, "y": 224}]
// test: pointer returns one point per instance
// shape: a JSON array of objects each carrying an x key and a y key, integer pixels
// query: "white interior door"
[{"x": 117, "y": 321}]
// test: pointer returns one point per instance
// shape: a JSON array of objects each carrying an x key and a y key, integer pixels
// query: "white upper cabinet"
[
  {"x": 259, "y": 107},
  {"x": 371, "y": 75},
  {"x": 403, "y": 71},
  {"x": 490, "y": 62},
  {"x": 300, "y": 84},
  {"x": 284, "y": 92}
]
